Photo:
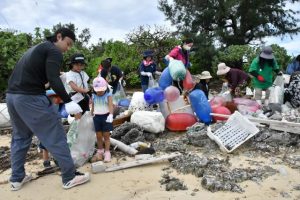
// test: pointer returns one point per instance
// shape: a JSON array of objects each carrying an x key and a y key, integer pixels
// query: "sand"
[{"x": 143, "y": 183}]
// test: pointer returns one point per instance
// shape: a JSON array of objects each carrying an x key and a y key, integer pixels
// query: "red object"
[
  {"x": 57, "y": 100},
  {"x": 188, "y": 83},
  {"x": 217, "y": 101},
  {"x": 260, "y": 78},
  {"x": 180, "y": 121},
  {"x": 220, "y": 110},
  {"x": 231, "y": 106},
  {"x": 99, "y": 68}
]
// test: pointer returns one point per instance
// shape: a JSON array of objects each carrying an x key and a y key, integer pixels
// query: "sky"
[{"x": 111, "y": 19}]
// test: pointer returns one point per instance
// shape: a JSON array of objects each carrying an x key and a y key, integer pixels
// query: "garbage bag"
[
  {"x": 177, "y": 70},
  {"x": 120, "y": 94},
  {"x": 277, "y": 90},
  {"x": 81, "y": 139}
]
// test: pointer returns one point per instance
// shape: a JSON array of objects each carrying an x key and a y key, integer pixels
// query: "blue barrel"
[
  {"x": 154, "y": 95},
  {"x": 124, "y": 102},
  {"x": 165, "y": 79},
  {"x": 200, "y": 105}
]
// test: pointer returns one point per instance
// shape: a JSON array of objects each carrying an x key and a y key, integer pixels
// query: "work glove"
[
  {"x": 260, "y": 78},
  {"x": 73, "y": 108},
  {"x": 158, "y": 73},
  {"x": 149, "y": 74},
  {"x": 109, "y": 118}
]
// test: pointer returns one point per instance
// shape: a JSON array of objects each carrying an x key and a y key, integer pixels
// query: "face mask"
[{"x": 186, "y": 47}]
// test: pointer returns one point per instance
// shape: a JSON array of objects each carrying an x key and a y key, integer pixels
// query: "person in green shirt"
[{"x": 262, "y": 68}]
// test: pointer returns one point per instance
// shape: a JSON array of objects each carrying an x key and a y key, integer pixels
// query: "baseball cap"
[
  {"x": 77, "y": 58},
  {"x": 99, "y": 84}
]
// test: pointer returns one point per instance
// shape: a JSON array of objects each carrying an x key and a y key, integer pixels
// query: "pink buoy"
[
  {"x": 188, "y": 82},
  {"x": 220, "y": 110},
  {"x": 171, "y": 93},
  {"x": 217, "y": 101}
]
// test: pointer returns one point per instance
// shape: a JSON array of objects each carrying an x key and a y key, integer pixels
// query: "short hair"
[
  {"x": 65, "y": 32},
  {"x": 106, "y": 64}
]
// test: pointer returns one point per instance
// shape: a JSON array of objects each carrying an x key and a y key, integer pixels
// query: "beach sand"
[{"x": 143, "y": 183}]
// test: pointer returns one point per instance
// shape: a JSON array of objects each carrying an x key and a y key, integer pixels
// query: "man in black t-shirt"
[{"x": 32, "y": 113}]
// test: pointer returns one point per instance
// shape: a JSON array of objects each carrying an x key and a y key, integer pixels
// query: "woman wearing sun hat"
[
  {"x": 203, "y": 83},
  {"x": 236, "y": 79},
  {"x": 262, "y": 68}
]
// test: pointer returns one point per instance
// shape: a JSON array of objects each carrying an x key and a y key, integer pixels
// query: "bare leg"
[
  {"x": 45, "y": 155},
  {"x": 107, "y": 140},
  {"x": 100, "y": 140}
]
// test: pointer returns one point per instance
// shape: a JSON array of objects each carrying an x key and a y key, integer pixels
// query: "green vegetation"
[{"x": 223, "y": 31}]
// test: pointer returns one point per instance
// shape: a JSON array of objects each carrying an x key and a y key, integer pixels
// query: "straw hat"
[
  {"x": 205, "y": 75},
  {"x": 222, "y": 69}
]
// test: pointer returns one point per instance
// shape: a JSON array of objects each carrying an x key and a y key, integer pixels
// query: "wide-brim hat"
[
  {"x": 205, "y": 75},
  {"x": 267, "y": 53},
  {"x": 222, "y": 69}
]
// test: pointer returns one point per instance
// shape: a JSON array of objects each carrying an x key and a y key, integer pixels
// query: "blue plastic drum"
[{"x": 200, "y": 106}]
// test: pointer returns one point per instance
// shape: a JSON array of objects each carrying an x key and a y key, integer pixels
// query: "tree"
[
  {"x": 159, "y": 39},
  {"x": 84, "y": 37},
  {"x": 12, "y": 47},
  {"x": 125, "y": 56},
  {"x": 233, "y": 22},
  {"x": 235, "y": 54}
]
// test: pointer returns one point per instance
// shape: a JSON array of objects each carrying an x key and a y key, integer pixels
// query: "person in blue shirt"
[
  {"x": 293, "y": 66},
  {"x": 147, "y": 69}
]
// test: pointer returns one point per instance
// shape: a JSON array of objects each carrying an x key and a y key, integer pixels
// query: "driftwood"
[
  {"x": 123, "y": 147},
  {"x": 290, "y": 127},
  {"x": 136, "y": 163}
]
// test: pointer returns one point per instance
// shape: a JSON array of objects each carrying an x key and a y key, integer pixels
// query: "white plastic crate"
[{"x": 237, "y": 130}]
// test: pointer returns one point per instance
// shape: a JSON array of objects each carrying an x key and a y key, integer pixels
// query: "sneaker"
[
  {"x": 14, "y": 186},
  {"x": 47, "y": 164},
  {"x": 79, "y": 179},
  {"x": 107, "y": 156}
]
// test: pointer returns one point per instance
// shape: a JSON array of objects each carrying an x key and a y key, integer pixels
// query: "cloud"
[
  {"x": 106, "y": 19},
  {"x": 111, "y": 19}
]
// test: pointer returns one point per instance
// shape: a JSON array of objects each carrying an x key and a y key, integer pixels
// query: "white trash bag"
[
  {"x": 81, "y": 139},
  {"x": 4, "y": 116},
  {"x": 277, "y": 91},
  {"x": 138, "y": 102},
  {"x": 153, "y": 122}
]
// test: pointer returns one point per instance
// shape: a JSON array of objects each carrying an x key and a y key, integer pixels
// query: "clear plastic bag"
[
  {"x": 120, "y": 94},
  {"x": 225, "y": 92},
  {"x": 152, "y": 82},
  {"x": 277, "y": 90},
  {"x": 81, "y": 139}
]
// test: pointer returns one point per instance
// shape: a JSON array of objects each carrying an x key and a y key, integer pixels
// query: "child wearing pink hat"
[{"x": 102, "y": 110}]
